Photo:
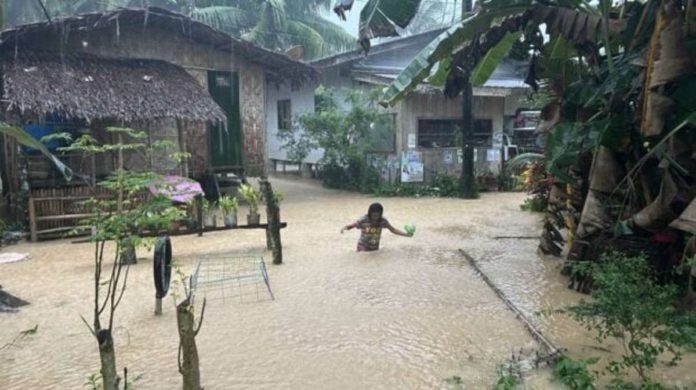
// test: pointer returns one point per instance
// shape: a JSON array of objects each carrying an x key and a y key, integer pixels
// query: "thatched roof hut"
[
  {"x": 148, "y": 19},
  {"x": 88, "y": 87}
]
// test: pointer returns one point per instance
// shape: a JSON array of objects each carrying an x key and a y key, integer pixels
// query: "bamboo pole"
[{"x": 552, "y": 349}]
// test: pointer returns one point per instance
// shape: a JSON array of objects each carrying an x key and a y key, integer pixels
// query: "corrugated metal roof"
[{"x": 387, "y": 60}]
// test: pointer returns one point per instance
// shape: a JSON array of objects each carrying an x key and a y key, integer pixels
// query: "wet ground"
[{"x": 406, "y": 317}]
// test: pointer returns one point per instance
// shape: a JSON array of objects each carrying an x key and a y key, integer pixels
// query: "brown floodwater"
[{"x": 406, "y": 317}]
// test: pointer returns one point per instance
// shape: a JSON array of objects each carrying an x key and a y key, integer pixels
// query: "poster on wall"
[
  {"x": 411, "y": 167},
  {"x": 448, "y": 157},
  {"x": 411, "y": 141}
]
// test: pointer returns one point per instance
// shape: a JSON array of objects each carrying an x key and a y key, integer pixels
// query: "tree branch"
[
  {"x": 45, "y": 11},
  {"x": 113, "y": 280},
  {"x": 119, "y": 266},
  {"x": 178, "y": 359},
  {"x": 200, "y": 320},
  {"x": 123, "y": 287}
]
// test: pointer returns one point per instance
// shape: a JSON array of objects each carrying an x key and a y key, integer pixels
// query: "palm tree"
[
  {"x": 277, "y": 24},
  {"x": 274, "y": 24}
]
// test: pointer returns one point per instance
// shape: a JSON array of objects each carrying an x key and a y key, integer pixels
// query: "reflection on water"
[{"x": 408, "y": 316}]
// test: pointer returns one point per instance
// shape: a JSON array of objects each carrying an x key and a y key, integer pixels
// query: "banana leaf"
[
  {"x": 569, "y": 20},
  {"x": 660, "y": 213},
  {"x": 380, "y": 18},
  {"x": 605, "y": 175},
  {"x": 667, "y": 60},
  {"x": 491, "y": 60},
  {"x": 26, "y": 139},
  {"x": 443, "y": 47},
  {"x": 687, "y": 220}
]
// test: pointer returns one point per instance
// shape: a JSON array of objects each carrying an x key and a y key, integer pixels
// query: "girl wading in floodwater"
[{"x": 371, "y": 226}]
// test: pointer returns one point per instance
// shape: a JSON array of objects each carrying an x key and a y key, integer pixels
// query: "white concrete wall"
[
  {"x": 341, "y": 85},
  {"x": 301, "y": 102}
]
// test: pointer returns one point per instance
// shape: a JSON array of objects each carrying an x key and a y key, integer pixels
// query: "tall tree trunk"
[
  {"x": 188, "y": 353},
  {"x": 467, "y": 178},
  {"x": 107, "y": 356}
]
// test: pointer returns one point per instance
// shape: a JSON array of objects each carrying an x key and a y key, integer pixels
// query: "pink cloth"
[
  {"x": 177, "y": 188},
  {"x": 668, "y": 236}
]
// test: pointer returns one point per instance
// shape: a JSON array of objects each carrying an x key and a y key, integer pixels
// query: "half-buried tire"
[{"x": 162, "y": 265}]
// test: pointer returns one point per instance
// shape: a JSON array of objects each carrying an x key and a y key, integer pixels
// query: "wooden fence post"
[
  {"x": 273, "y": 219},
  {"x": 32, "y": 220}
]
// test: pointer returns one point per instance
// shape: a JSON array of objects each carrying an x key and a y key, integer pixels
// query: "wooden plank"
[
  {"x": 191, "y": 232},
  {"x": 74, "y": 197},
  {"x": 64, "y": 228},
  {"x": 63, "y": 217},
  {"x": 32, "y": 220},
  {"x": 553, "y": 351}
]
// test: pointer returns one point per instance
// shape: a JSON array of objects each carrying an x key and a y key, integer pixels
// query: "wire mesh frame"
[{"x": 227, "y": 276}]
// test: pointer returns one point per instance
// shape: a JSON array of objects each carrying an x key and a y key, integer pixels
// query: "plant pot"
[
  {"x": 209, "y": 220},
  {"x": 128, "y": 256},
  {"x": 253, "y": 219},
  {"x": 230, "y": 220},
  {"x": 174, "y": 226}
]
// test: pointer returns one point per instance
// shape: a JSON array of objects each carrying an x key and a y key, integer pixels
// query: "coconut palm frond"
[
  {"x": 335, "y": 37},
  {"x": 300, "y": 8},
  {"x": 273, "y": 17},
  {"x": 305, "y": 36},
  {"x": 229, "y": 19}
]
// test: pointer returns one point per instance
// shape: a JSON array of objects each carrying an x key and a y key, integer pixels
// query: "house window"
[
  {"x": 437, "y": 133},
  {"x": 284, "y": 115},
  {"x": 483, "y": 130},
  {"x": 442, "y": 133}
]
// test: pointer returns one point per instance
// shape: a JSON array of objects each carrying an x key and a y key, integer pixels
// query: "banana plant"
[{"x": 26, "y": 139}]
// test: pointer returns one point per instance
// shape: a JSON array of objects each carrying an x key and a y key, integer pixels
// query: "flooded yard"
[{"x": 406, "y": 317}]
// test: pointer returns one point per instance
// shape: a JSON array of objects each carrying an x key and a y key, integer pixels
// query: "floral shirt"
[{"x": 370, "y": 233}]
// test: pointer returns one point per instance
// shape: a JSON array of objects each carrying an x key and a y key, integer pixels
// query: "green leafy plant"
[
  {"x": 454, "y": 380},
  {"x": 344, "y": 136},
  {"x": 252, "y": 196},
  {"x": 228, "y": 204},
  {"x": 507, "y": 379},
  {"x": 446, "y": 185},
  {"x": 536, "y": 204},
  {"x": 631, "y": 307},
  {"x": 128, "y": 218},
  {"x": 575, "y": 373}
]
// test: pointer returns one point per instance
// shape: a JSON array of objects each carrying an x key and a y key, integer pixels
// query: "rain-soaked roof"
[
  {"x": 13, "y": 39},
  {"x": 90, "y": 87},
  {"x": 385, "y": 61}
]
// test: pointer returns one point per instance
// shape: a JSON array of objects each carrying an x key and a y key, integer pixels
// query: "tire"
[{"x": 162, "y": 265}]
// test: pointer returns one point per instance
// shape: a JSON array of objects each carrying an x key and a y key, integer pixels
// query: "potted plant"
[
  {"x": 191, "y": 219},
  {"x": 253, "y": 197},
  {"x": 229, "y": 206},
  {"x": 209, "y": 210}
]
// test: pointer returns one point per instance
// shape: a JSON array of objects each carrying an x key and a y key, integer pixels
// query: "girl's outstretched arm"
[
  {"x": 350, "y": 226},
  {"x": 397, "y": 231}
]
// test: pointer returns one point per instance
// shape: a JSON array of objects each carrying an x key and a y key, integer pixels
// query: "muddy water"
[{"x": 408, "y": 316}]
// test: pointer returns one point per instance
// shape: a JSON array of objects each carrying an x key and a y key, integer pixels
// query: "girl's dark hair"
[{"x": 375, "y": 208}]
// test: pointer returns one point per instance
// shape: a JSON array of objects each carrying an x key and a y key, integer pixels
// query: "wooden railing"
[{"x": 56, "y": 210}]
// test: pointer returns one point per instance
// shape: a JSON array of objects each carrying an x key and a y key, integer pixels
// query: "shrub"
[
  {"x": 631, "y": 307},
  {"x": 574, "y": 373}
]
